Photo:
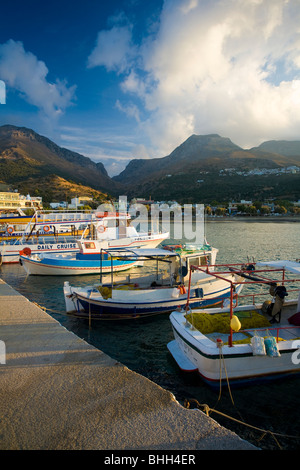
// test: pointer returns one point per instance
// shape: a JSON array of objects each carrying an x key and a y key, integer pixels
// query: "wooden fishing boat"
[
  {"x": 243, "y": 343},
  {"x": 157, "y": 288}
]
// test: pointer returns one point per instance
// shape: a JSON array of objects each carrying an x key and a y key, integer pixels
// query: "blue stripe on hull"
[
  {"x": 74, "y": 263},
  {"x": 113, "y": 311}
]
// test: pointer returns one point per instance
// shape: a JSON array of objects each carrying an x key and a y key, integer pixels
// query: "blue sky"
[{"x": 132, "y": 79}]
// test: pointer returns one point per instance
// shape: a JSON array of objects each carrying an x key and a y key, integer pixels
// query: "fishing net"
[{"x": 220, "y": 322}]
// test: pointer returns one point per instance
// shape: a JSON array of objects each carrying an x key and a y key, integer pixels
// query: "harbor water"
[{"x": 267, "y": 415}]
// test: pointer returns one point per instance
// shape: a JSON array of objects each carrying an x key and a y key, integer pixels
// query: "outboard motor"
[{"x": 274, "y": 308}]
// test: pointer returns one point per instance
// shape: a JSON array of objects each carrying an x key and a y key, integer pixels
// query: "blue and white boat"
[
  {"x": 163, "y": 287},
  {"x": 74, "y": 264}
]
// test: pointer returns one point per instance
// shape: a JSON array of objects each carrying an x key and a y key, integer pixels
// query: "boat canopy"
[
  {"x": 291, "y": 266},
  {"x": 140, "y": 252}
]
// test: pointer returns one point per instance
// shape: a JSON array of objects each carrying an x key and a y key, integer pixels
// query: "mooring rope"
[{"x": 207, "y": 410}]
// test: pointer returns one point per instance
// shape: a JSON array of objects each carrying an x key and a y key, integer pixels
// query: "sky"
[{"x": 130, "y": 79}]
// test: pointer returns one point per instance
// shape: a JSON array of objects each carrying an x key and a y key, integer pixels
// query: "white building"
[{"x": 12, "y": 201}]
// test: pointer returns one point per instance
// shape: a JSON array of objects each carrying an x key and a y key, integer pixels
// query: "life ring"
[
  {"x": 101, "y": 229},
  {"x": 46, "y": 228},
  {"x": 10, "y": 229}
]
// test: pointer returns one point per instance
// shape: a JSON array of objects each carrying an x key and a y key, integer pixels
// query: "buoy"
[
  {"x": 235, "y": 323},
  {"x": 46, "y": 228},
  {"x": 101, "y": 228},
  {"x": 10, "y": 229}
]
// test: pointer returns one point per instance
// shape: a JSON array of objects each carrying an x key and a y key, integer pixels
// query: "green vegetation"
[{"x": 185, "y": 188}]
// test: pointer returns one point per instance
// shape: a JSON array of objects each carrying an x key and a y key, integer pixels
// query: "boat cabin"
[{"x": 161, "y": 267}]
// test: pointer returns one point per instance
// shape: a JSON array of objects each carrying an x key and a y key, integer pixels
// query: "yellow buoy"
[{"x": 235, "y": 323}]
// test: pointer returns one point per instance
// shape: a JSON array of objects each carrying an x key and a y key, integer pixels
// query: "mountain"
[
  {"x": 193, "y": 172},
  {"x": 194, "y": 150},
  {"x": 25, "y": 154},
  {"x": 202, "y": 169},
  {"x": 282, "y": 147},
  {"x": 202, "y": 152}
]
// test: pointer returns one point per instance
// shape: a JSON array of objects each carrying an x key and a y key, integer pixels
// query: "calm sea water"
[{"x": 141, "y": 344}]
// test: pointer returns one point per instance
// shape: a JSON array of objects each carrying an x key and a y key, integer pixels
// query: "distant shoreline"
[{"x": 281, "y": 218}]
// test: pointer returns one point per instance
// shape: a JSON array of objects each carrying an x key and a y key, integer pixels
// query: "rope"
[
  {"x": 75, "y": 315},
  {"x": 207, "y": 409}
]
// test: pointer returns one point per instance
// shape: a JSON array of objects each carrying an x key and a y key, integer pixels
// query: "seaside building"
[{"x": 12, "y": 201}]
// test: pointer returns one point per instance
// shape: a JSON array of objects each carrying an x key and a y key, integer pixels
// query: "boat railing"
[
  {"x": 40, "y": 217},
  {"x": 277, "y": 329},
  {"x": 254, "y": 296}
]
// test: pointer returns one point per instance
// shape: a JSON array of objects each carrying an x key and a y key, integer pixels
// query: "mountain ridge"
[
  {"x": 25, "y": 153},
  {"x": 203, "y": 151},
  {"x": 194, "y": 171}
]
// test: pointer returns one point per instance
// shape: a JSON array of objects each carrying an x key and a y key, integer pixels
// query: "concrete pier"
[{"x": 59, "y": 393}]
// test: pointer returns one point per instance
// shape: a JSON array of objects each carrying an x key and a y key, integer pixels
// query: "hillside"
[
  {"x": 54, "y": 188},
  {"x": 204, "y": 152},
  {"x": 193, "y": 172},
  {"x": 200, "y": 170},
  {"x": 25, "y": 154},
  {"x": 194, "y": 151},
  {"x": 286, "y": 148}
]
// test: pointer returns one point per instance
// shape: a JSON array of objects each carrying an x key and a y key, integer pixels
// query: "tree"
[
  {"x": 280, "y": 210},
  {"x": 264, "y": 210},
  {"x": 220, "y": 211},
  {"x": 252, "y": 210}
]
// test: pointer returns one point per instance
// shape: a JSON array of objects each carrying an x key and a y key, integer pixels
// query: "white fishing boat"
[
  {"x": 85, "y": 235},
  {"x": 75, "y": 264},
  {"x": 243, "y": 343},
  {"x": 160, "y": 286}
]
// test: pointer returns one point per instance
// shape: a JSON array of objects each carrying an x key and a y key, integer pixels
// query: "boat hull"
[
  {"x": 71, "y": 267},
  {"x": 141, "y": 303},
  {"x": 238, "y": 365},
  {"x": 11, "y": 253}
]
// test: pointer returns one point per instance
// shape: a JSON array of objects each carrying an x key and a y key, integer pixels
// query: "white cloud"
[
  {"x": 229, "y": 66},
  {"x": 130, "y": 110},
  {"x": 113, "y": 50},
  {"x": 22, "y": 71}
]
